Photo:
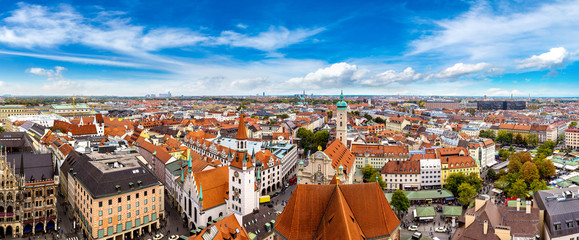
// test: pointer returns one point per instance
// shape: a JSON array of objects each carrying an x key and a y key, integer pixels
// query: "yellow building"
[
  {"x": 456, "y": 164},
  {"x": 11, "y": 110}
]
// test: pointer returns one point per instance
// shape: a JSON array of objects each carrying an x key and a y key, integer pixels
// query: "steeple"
[
  {"x": 241, "y": 129},
  {"x": 22, "y": 165}
]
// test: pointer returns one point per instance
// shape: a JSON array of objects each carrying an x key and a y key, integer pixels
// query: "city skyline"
[{"x": 133, "y": 48}]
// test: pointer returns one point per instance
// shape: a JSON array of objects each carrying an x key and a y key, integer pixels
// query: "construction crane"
[{"x": 74, "y": 103}]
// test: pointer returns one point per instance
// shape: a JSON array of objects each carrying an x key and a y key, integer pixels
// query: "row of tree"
[{"x": 525, "y": 175}]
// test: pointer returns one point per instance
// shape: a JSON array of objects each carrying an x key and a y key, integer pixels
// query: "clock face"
[
  {"x": 341, "y": 114},
  {"x": 236, "y": 174}
]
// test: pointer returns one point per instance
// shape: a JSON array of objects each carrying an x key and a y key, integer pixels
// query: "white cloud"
[
  {"x": 391, "y": 76},
  {"x": 335, "y": 76},
  {"x": 271, "y": 40},
  {"x": 556, "y": 57},
  {"x": 32, "y": 26},
  {"x": 241, "y": 25},
  {"x": 250, "y": 84},
  {"x": 502, "y": 92},
  {"x": 461, "y": 69},
  {"x": 503, "y": 34},
  {"x": 83, "y": 60},
  {"x": 55, "y": 81}
]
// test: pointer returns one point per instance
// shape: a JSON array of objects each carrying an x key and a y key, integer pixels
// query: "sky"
[{"x": 238, "y": 47}]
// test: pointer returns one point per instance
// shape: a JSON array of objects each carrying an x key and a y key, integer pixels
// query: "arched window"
[{"x": 319, "y": 167}]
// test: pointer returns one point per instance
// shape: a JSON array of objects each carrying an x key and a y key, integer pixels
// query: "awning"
[
  {"x": 498, "y": 191},
  {"x": 449, "y": 198},
  {"x": 426, "y": 218}
]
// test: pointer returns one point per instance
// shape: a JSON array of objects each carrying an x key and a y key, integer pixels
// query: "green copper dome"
[
  {"x": 301, "y": 162},
  {"x": 342, "y": 104}
]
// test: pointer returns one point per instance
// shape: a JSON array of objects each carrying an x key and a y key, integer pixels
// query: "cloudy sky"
[{"x": 190, "y": 47}]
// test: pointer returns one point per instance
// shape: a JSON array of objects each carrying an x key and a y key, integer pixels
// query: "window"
[
  {"x": 119, "y": 200},
  {"x": 129, "y": 206},
  {"x": 129, "y": 215},
  {"x": 570, "y": 224},
  {"x": 137, "y": 195},
  {"x": 100, "y": 222},
  {"x": 110, "y": 220},
  {"x": 110, "y": 202},
  {"x": 100, "y": 204},
  {"x": 119, "y": 209},
  {"x": 128, "y": 197},
  {"x": 557, "y": 226},
  {"x": 145, "y": 193},
  {"x": 100, "y": 213},
  {"x": 153, "y": 191},
  {"x": 110, "y": 211}
]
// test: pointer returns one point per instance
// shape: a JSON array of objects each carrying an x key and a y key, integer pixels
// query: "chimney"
[
  {"x": 518, "y": 204},
  {"x": 528, "y": 207},
  {"x": 485, "y": 227}
]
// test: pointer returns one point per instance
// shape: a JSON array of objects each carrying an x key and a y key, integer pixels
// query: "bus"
[{"x": 264, "y": 199}]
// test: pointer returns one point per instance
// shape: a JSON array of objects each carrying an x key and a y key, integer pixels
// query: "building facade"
[{"x": 572, "y": 138}]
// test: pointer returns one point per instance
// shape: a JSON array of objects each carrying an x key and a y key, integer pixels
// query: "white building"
[{"x": 430, "y": 173}]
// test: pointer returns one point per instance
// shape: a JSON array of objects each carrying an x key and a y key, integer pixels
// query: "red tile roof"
[{"x": 337, "y": 212}]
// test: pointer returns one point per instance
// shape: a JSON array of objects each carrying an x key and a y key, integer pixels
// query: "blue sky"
[{"x": 132, "y": 47}]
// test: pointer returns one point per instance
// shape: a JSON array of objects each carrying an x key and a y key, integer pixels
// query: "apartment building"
[
  {"x": 378, "y": 155},
  {"x": 115, "y": 198},
  {"x": 404, "y": 175},
  {"x": 572, "y": 138}
]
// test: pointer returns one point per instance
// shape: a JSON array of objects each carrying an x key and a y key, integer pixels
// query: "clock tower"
[{"x": 342, "y": 120}]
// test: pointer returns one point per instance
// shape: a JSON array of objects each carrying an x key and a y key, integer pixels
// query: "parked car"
[
  {"x": 440, "y": 229},
  {"x": 413, "y": 228},
  {"x": 417, "y": 235}
]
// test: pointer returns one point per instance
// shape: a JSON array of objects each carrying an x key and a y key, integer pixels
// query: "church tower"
[
  {"x": 342, "y": 120},
  {"x": 243, "y": 186}
]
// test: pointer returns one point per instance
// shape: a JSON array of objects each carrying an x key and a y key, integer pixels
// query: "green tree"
[
  {"x": 573, "y": 124},
  {"x": 514, "y": 165},
  {"x": 368, "y": 116},
  {"x": 519, "y": 139},
  {"x": 518, "y": 189},
  {"x": 283, "y": 116},
  {"x": 465, "y": 193},
  {"x": 400, "y": 201},
  {"x": 474, "y": 180},
  {"x": 378, "y": 176},
  {"x": 546, "y": 168},
  {"x": 529, "y": 172},
  {"x": 505, "y": 154},
  {"x": 379, "y": 120},
  {"x": 538, "y": 185},
  {"x": 501, "y": 173},
  {"x": 532, "y": 140},
  {"x": 368, "y": 171},
  {"x": 330, "y": 114},
  {"x": 546, "y": 149},
  {"x": 321, "y": 138},
  {"x": 491, "y": 174},
  {"x": 453, "y": 181},
  {"x": 522, "y": 157},
  {"x": 487, "y": 134},
  {"x": 2, "y": 129},
  {"x": 504, "y": 137}
]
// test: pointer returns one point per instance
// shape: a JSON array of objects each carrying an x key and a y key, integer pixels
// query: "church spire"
[{"x": 21, "y": 165}]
